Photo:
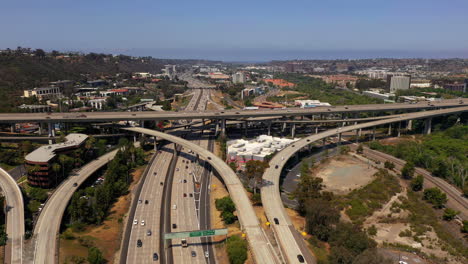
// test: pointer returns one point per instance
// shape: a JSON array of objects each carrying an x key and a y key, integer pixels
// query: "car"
[
  {"x": 133, "y": 114},
  {"x": 146, "y": 201},
  {"x": 208, "y": 158},
  {"x": 276, "y": 220},
  {"x": 191, "y": 194},
  {"x": 174, "y": 206},
  {"x": 140, "y": 201},
  {"x": 155, "y": 173},
  {"x": 142, "y": 222},
  {"x": 75, "y": 184},
  {"x": 148, "y": 233},
  {"x": 194, "y": 254},
  {"x": 155, "y": 256},
  {"x": 300, "y": 258},
  {"x": 237, "y": 113},
  {"x": 135, "y": 222},
  {"x": 276, "y": 166},
  {"x": 174, "y": 226},
  {"x": 185, "y": 195},
  {"x": 177, "y": 169},
  {"x": 207, "y": 255},
  {"x": 161, "y": 183},
  {"x": 402, "y": 262},
  {"x": 185, "y": 181},
  {"x": 186, "y": 167},
  {"x": 346, "y": 107},
  {"x": 139, "y": 243},
  {"x": 329, "y": 109}
]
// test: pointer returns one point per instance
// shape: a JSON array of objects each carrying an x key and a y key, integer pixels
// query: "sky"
[{"x": 255, "y": 30}]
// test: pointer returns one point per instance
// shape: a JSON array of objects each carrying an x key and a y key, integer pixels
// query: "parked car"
[
  {"x": 139, "y": 243},
  {"x": 300, "y": 258},
  {"x": 142, "y": 222},
  {"x": 148, "y": 233},
  {"x": 174, "y": 226},
  {"x": 135, "y": 222},
  {"x": 155, "y": 256}
]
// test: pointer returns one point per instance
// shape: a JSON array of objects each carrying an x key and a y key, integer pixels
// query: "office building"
[
  {"x": 44, "y": 93},
  {"x": 398, "y": 82},
  {"x": 238, "y": 77}
]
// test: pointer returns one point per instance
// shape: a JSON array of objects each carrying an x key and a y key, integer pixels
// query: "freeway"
[
  {"x": 289, "y": 240},
  {"x": 227, "y": 114},
  {"x": 15, "y": 217},
  {"x": 152, "y": 191},
  {"x": 48, "y": 223},
  {"x": 259, "y": 244}
]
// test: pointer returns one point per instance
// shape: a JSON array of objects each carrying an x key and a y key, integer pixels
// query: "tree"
[
  {"x": 464, "y": 228},
  {"x": 39, "y": 53},
  {"x": 254, "y": 170},
  {"x": 360, "y": 149},
  {"x": 408, "y": 170},
  {"x": 449, "y": 214},
  {"x": 321, "y": 216},
  {"x": 309, "y": 187},
  {"x": 417, "y": 183},
  {"x": 389, "y": 165},
  {"x": 95, "y": 256},
  {"x": 435, "y": 196},
  {"x": 236, "y": 249},
  {"x": 3, "y": 236}
]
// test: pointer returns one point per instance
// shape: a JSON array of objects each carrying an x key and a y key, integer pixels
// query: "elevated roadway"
[
  {"x": 226, "y": 114},
  {"x": 48, "y": 223},
  {"x": 290, "y": 243},
  {"x": 15, "y": 218},
  {"x": 261, "y": 248}
]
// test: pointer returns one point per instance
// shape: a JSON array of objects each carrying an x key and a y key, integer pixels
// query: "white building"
[
  {"x": 379, "y": 95},
  {"x": 399, "y": 83},
  {"x": 241, "y": 151},
  {"x": 46, "y": 92},
  {"x": 309, "y": 103},
  {"x": 238, "y": 77},
  {"x": 97, "y": 103}
]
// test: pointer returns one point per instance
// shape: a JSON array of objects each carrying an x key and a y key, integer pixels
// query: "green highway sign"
[{"x": 198, "y": 233}]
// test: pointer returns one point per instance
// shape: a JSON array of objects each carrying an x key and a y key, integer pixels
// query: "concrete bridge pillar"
[
  {"x": 339, "y": 138},
  {"x": 40, "y": 129},
  {"x": 12, "y": 128},
  {"x": 428, "y": 126},
  {"x": 293, "y": 129},
  {"x": 269, "y": 128},
  {"x": 316, "y": 130},
  {"x": 399, "y": 129},
  {"x": 360, "y": 132},
  {"x": 223, "y": 127},
  {"x": 51, "y": 127},
  {"x": 284, "y": 127},
  {"x": 409, "y": 125},
  {"x": 357, "y": 135},
  {"x": 373, "y": 134},
  {"x": 389, "y": 129},
  {"x": 324, "y": 140},
  {"x": 217, "y": 127},
  {"x": 155, "y": 145}
]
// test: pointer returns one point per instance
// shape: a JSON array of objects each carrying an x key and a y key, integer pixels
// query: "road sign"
[{"x": 198, "y": 233}]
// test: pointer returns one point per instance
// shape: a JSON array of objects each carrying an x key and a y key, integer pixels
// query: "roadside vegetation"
[
  {"x": 236, "y": 249},
  {"x": 227, "y": 207},
  {"x": 317, "y": 89},
  {"x": 12, "y": 154},
  {"x": 444, "y": 154}
]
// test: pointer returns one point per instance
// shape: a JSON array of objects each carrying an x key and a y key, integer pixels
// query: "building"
[
  {"x": 36, "y": 108},
  {"x": 398, "y": 82},
  {"x": 97, "y": 103},
  {"x": 238, "y": 77},
  {"x": 379, "y": 95},
  {"x": 241, "y": 151},
  {"x": 269, "y": 105},
  {"x": 456, "y": 87},
  {"x": 97, "y": 83},
  {"x": 339, "y": 79},
  {"x": 309, "y": 103},
  {"x": 44, "y": 93},
  {"x": 39, "y": 162}
]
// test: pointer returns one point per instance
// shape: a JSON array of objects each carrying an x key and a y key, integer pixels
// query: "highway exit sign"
[{"x": 198, "y": 233}]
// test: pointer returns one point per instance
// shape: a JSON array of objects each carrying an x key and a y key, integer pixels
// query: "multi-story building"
[
  {"x": 238, "y": 77},
  {"x": 457, "y": 87},
  {"x": 398, "y": 82},
  {"x": 44, "y": 93},
  {"x": 39, "y": 162}
]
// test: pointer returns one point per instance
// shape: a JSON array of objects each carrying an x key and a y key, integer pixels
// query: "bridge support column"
[
  {"x": 316, "y": 130},
  {"x": 357, "y": 135},
  {"x": 269, "y": 128},
  {"x": 245, "y": 125},
  {"x": 339, "y": 139},
  {"x": 360, "y": 132},
  {"x": 399, "y": 129},
  {"x": 284, "y": 127},
  {"x": 293, "y": 130},
  {"x": 155, "y": 145},
  {"x": 40, "y": 129},
  {"x": 142, "y": 123},
  {"x": 51, "y": 127},
  {"x": 389, "y": 130},
  {"x": 134, "y": 138},
  {"x": 324, "y": 140},
  {"x": 12, "y": 128},
  {"x": 409, "y": 125},
  {"x": 373, "y": 134},
  {"x": 217, "y": 127},
  {"x": 428, "y": 126},
  {"x": 223, "y": 127}
]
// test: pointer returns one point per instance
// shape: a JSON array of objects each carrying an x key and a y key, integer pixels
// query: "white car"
[
  {"x": 207, "y": 255},
  {"x": 402, "y": 262},
  {"x": 135, "y": 222},
  {"x": 142, "y": 222}
]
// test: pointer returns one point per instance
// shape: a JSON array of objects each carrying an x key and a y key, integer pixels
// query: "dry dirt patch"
[{"x": 345, "y": 173}]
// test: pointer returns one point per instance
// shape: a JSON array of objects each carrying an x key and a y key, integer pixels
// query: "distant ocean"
[{"x": 264, "y": 55}]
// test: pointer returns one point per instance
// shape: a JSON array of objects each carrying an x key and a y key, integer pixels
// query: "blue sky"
[{"x": 240, "y": 30}]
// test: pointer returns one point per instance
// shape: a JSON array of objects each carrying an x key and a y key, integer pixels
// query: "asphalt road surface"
[{"x": 15, "y": 217}]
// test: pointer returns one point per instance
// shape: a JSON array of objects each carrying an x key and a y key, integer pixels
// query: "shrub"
[
  {"x": 236, "y": 249},
  {"x": 435, "y": 196},
  {"x": 417, "y": 183},
  {"x": 449, "y": 214}
]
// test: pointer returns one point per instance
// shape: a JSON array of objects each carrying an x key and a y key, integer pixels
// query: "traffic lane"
[{"x": 15, "y": 216}]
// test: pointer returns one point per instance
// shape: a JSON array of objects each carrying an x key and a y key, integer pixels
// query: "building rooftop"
[
  {"x": 46, "y": 153},
  {"x": 256, "y": 148}
]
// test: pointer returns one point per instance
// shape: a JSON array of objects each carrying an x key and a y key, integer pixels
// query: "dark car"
[
  {"x": 174, "y": 226},
  {"x": 139, "y": 243},
  {"x": 194, "y": 254},
  {"x": 276, "y": 220},
  {"x": 191, "y": 194},
  {"x": 75, "y": 184},
  {"x": 185, "y": 195},
  {"x": 185, "y": 181},
  {"x": 155, "y": 256},
  {"x": 146, "y": 201},
  {"x": 186, "y": 167},
  {"x": 161, "y": 183},
  {"x": 276, "y": 166},
  {"x": 300, "y": 258}
]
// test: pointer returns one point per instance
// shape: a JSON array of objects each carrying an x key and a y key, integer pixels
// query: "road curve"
[
  {"x": 261, "y": 248},
  {"x": 271, "y": 197},
  {"x": 48, "y": 223},
  {"x": 15, "y": 216}
]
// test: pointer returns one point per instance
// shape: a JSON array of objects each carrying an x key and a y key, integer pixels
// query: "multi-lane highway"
[
  {"x": 146, "y": 222},
  {"x": 287, "y": 236},
  {"x": 15, "y": 217},
  {"x": 226, "y": 114},
  {"x": 48, "y": 223},
  {"x": 262, "y": 250}
]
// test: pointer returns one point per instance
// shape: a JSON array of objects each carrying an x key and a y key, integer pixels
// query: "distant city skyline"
[{"x": 245, "y": 31}]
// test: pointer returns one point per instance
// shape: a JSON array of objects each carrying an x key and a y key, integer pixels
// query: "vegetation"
[
  {"x": 319, "y": 90},
  {"x": 445, "y": 154},
  {"x": 91, "y": 205},
  {"x": 12, "y": 155},
  {"x": 236, "y": 249},
  {"x": 389, "y": 165},
  {"x": 435, "y": 196},
  {"x": 3, "y": 234},
  {"x": 95, "y": 256},
  {"x": 407, "y": 172},
  {"x": 417, "y": 183},
  {"x": 361, "y": 203},
  {"x": 254, "y": 171},
  {"x": 309, "y": 187},
  {"x": 227, "y": 208},
  {"x": 449, "y": 214}
]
